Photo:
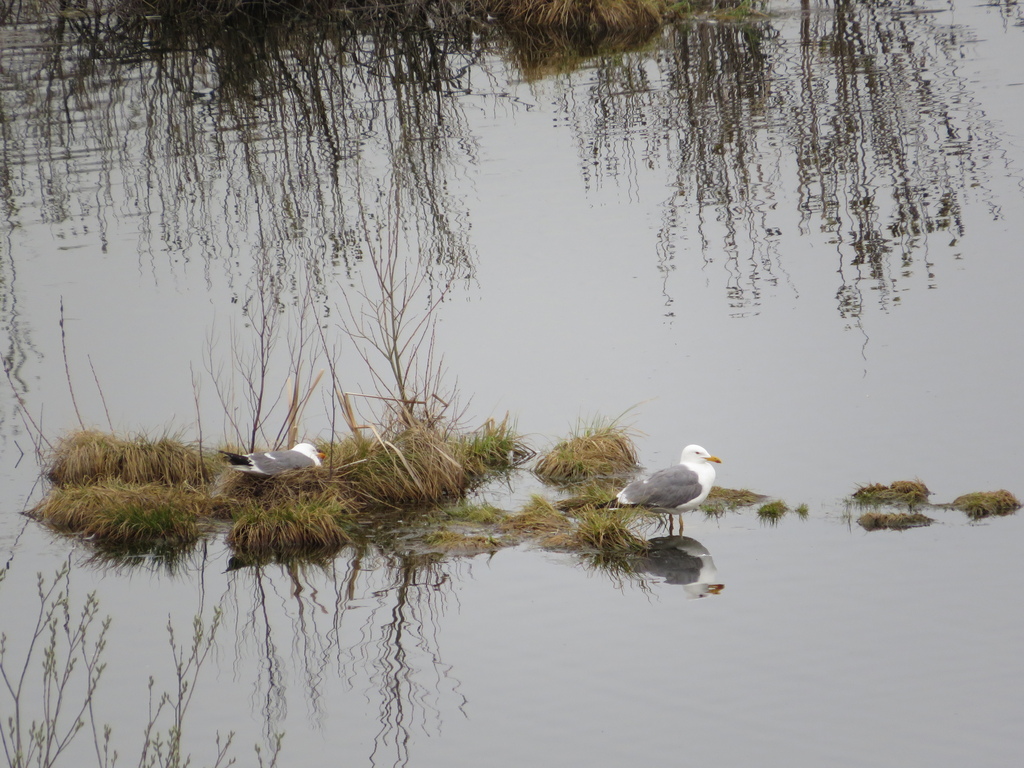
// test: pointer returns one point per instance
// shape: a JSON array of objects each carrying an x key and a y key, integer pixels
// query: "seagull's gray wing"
[
  {"x": 272, "y": 462},
  {"x": 667, "y": 488}
]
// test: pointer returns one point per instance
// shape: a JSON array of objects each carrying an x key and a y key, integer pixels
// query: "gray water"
[{"x": 796, "y": 244}]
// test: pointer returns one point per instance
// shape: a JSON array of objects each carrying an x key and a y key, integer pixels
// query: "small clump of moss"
[
  {"x": 987, "y": 503},
  {"x": 594, "y": 451},
  {"x": 469, "y": 512},
  {"x": 893, "y": 521},
  {"x": 453, "y": 542},
  {"x": 539, "y": 519},
  {"x": 722, "y": 500},
  {"x": 909, "y": 492}
]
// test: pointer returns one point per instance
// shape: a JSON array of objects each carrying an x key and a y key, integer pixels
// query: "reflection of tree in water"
[
  {"x": 378, "y": 629},
  {"x": 864, "y": 106},
  {"x": 268, "y": 139}
]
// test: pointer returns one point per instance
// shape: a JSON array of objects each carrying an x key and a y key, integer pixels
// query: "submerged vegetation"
[
  {"x": 986, "y": 504},
  {"x": 893, "y": 521},
  {"x": 909, "y": 492},
  {"x": 722, "y": 500},
  {"x": 913, "y": 494}
]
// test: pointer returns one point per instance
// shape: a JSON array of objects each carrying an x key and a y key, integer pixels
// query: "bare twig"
[
  {"x": 100, "y": 390},
  {"x": 67, "y": 370}
]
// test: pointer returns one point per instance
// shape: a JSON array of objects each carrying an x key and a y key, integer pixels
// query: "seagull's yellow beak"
[
  {"x": 322, "y": 455},
  {"x": 714, "y": 459}
]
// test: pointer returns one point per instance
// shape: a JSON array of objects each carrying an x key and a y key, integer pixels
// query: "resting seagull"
[
  {"x": 676, "y": 489},
  {"x": 275, "y": 462}
]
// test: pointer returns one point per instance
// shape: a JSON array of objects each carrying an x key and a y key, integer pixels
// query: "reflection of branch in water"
[
  {"x": 884, "y": 145},
  {"x": 257, "y": 626},
  {"x": 392, "y": 652},
  {"x": 243, "y": 140},
  {"x": 412, "y": 603}
]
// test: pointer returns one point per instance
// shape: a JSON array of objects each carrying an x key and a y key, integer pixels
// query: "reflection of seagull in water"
[
  {"x": 683, "y": 561},
  {"x": 275, "y": 462},
  {"x": 676, "y": 489}
]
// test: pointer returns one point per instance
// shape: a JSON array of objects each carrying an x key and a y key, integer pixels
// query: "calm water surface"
[{"x": 798, "y": 245}]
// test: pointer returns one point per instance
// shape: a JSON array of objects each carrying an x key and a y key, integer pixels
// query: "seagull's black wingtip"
[{"x": 236, "y": 459}]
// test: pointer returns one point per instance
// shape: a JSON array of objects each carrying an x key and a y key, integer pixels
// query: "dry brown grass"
[
  {"x": 297, "y": 485},
  {"x": 909, "y": 492},
  {"x": 986, "y": 504},
  {"x": 592, "y": 452},
  {"x": 126, "y": 515},
  {"x": 86, "y": 457},
  {"x": 895, "y": 521},
  {"x": 416, "y": 466}
]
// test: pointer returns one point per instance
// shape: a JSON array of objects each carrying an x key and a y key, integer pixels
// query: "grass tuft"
[
  {"x": 596, "y": 494},
  {"x": 538, "y": 518},
  {"x": 415, "y": 466},
  {"x": 722, "y": 500},
  {"x": 909, "y": 492},
  {"x": 467, "y": 512},
  {"x": 894, "y": 521},
  {"x": 987, "y": 503},
  {"x": 121, "y": 515},
  {"x": 594, "y": 451},
  {"x": 296, "y": 528},
  {"x": 772, "y": 512},
  {"x": 89, "y": 457},
  {"x": 609, "y": 531},
  {"x": 493, "y": 448}
]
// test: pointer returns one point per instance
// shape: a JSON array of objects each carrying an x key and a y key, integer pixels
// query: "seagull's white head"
[
  {"x": 697, "y": 455},
  {"x": 308, "y": 449}
]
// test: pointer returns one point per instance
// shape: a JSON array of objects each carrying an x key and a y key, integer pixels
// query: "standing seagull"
[
  {"x": 274, "y": 462},
  {"x": 677, "y": 488}
]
